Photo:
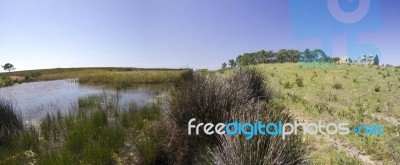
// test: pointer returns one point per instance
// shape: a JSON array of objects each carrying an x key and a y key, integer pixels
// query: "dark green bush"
[
  {"x": 299, "y": 82},
  {"x": 337, "y": 86},
  {"x": 377, "y": 89},
  {"x": 288, "y": 85}
]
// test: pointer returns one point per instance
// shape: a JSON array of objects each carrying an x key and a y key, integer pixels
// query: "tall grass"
[
  {"x": 211, "y": 99},
  {"x": 263, "y": 149},
  {"x": 89, "y": 134},
  {"x": 10, "y": 122},
  {"x": 16, "y": 142},
  {"x": 120, "y": 78}
]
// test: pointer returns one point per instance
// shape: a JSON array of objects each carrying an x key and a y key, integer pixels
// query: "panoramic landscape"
[{"x": 165, "y": 82}]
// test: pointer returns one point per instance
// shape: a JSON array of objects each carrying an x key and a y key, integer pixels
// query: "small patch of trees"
[{"x": 281, "y": 56}]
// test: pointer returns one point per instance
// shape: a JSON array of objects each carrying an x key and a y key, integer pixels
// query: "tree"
[
  {"x": 223, "y": 65},
  {"x": 232, "y": 63},
  {"x": 9, "y": 67},
  {"x": 307, "y": 56},
  {"x": 294, "y": 55},
  {"x": 282, "y": 55},
  {"x": 322, "y": 57}
]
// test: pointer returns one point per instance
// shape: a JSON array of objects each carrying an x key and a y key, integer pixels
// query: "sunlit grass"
[
  {"x": 357, "y": 94},
  {"x": 119, "y": 78}
]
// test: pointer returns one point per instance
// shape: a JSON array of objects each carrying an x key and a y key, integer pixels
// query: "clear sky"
[{"x": 38, "y": 34}]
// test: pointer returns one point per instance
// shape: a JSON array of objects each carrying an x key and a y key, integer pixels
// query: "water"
[{"x": 34, "y": 100}]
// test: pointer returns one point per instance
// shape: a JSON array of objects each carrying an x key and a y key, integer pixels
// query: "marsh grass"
[
  {"x": 211, "y": 99},
  {"x": 92, "y": 132},
  {"x": 89, "y": 134},
  {"x": 119, "y": 78},
  {"x": 14, "y": 138},
  {"x": 10, "y": 122},
  {"x": 144, "y": 124}
]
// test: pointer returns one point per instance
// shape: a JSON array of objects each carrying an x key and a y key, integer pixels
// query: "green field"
[{"x": 357, "y": 94}]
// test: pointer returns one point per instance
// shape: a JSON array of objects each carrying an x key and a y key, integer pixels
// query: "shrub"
[
  {"x": 355, "y": 81},
  {"x": 337, "y": 86},
  {"x": 377, "y": 88},
  {"x": 324, "y": 107},
  {"x": 333, "y": 97},
  {"x": 288, "y": 85},
  {"x": 10, "y": 122},
  {"x": 299, "y": 81},
  {"x": 263, "y": 149},
  {"x": 211, "y": 99},
  {"x": 208, "y": 99},
  {"x": 315, "y": 74}
]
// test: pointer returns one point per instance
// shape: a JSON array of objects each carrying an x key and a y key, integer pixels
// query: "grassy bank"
[
  {"x": 357, "y": 94},
  {"x": 118, "y": 77}
]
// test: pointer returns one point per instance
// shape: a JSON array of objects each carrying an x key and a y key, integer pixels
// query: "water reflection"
[{"x": 36, "y": 99}]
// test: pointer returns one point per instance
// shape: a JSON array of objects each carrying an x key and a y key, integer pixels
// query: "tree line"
[{"x": 281, "y": 56}]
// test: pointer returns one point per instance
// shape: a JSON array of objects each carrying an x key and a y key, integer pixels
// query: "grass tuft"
[
  {"x": 10, "y": 123},
  {"x": 211, "y": 99}
]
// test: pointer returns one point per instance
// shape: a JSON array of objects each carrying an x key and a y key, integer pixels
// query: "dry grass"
[
  {"x": 357, "y": 94},
  {"x": 212, "y": 99}
]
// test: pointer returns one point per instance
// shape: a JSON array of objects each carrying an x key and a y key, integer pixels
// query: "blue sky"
[{"x": 178, "y": 33}]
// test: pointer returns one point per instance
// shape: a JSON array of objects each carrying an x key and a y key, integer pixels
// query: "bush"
[
  {"x": 337, "y": 86},
  {"x": 10, "y": 122},
  {"x": 355, "y": 81},
  {"x": 299, "y": 81},
  {"x": 324, "y": 107},
  {"x": 377, "y": 89},
  {"x": 211, "y": 99},
  {"x": 262, "y": 149},
  {"x": 288, "y": 85}
]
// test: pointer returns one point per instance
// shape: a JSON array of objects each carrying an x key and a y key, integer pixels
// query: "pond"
[{"x": 34, "y": 100}]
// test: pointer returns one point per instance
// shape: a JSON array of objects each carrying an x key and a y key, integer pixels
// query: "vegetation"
[
  {"x": 243, "y": 96},
  {"x": 356, "y": 94},
  {"x": 93, "y": 132},
  {"x": 10, "y": 123},
  {"x": 118, "y": 77},
  {"x": 98, "y": 130},
  {"x": 283, "y": 55},
  {"x": 8, "y": 67}
]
